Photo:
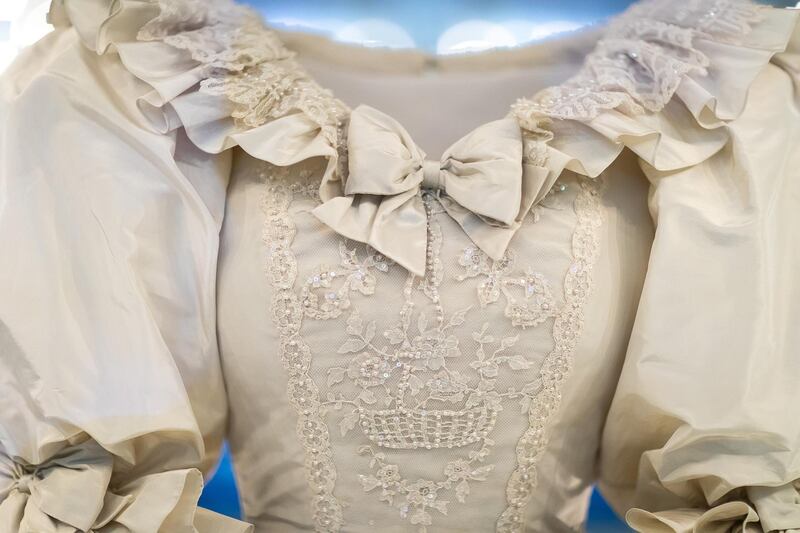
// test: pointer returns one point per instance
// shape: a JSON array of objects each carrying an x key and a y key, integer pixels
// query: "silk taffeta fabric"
[{"x": 173, "y": 277}]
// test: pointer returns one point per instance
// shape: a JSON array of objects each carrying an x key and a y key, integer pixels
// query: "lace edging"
[
  {"x": 642, "y": 59},
  {"x": 287, "y": 314},
  {"x": 567, "y": 328}
]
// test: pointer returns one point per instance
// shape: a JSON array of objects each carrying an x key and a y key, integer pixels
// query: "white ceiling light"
[
  {"x": 546, "y": 29},
  {"x": 375, "y": 32},
  {"x": 473, "y": 36}
]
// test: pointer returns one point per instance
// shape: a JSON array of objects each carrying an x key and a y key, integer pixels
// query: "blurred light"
[
  {"x": 375, "y": 32},
  {"x": 527, "y": 30},
  {"x": 520, "y": 28},
  {"x": 473, "y": 36},
  {"x": 30, "y": 26},
  {"x": 546, "y": 29},
  {"x": 326, "y": 26},
  {"x": 21, "y": 24}
]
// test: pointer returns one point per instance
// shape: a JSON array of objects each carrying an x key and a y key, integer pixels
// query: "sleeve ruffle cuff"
[{"x": 75, "y": 491}]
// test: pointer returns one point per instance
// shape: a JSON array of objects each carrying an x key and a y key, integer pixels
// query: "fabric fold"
[
  {"x": 663, "y": 90},
  {"x": 719, "y": 454},
  {"x": 756, "y": 509},
  {"x": 75, "y": 489}
]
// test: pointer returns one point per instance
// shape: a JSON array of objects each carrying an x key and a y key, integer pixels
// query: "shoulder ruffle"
[
  {"x": 217, "y": 71},
  {"x": 663, "y": 81}
]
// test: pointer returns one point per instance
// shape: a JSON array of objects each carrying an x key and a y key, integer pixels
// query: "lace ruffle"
[
  {"x": 217, "y": 71},
  {"x": 642, "y": 58},
  {"x": 245, "y": 62}
]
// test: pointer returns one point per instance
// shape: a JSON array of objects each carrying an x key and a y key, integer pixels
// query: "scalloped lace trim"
[
  {"x": 287, "y": 314},
  {"x": 641, "y": 60},
  {"x": 557, "y": 365}
]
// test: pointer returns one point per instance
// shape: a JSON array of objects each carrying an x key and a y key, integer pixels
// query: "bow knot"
[
  {"x": 23, "y": 484},
  {"x": 432, "y": 175},
  {"x": 483, "y": 181}
]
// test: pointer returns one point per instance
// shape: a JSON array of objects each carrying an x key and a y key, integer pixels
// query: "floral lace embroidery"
[
  {"x": 566, "y": 332},
  {"x": 287, "y": 315},
  {"x": 403, "y": 376},
  {"x": 405, "y": 420},
  {"x": 409, "y": 371},
  {"x": 538, "y": 304},
  {"x": 355, "y": 275},
  {"x": 219, "y": 34},
  {"x": 641, "y": 60}
]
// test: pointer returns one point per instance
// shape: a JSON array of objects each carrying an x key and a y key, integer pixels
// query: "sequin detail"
[
  {"x": 497, "y": 277},
  {"x": 566, "y": 332},
  {"x": 409, "y": 371},
  {"x": 396, "y": 374},
  {"x": 287, "y": 315},
  {"x": 323, "y": 300}
]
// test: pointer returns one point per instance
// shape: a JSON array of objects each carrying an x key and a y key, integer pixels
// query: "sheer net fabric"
[{"x": 436, "y": 382}]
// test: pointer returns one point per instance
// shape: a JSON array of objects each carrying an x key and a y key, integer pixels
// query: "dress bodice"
[{"x": 217, "y": 249}]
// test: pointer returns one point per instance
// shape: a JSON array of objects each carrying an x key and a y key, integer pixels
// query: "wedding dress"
[{"x": 408, "y": 306}]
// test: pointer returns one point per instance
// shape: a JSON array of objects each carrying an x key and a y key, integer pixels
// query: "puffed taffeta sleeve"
[
  {"x": 111, "y": 398},
  {"x": 703, "y": 434}
]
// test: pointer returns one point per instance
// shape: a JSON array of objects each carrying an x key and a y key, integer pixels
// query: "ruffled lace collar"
[
  {"x": 635, "y": 67},
  {"x": 661, "y": 81}
]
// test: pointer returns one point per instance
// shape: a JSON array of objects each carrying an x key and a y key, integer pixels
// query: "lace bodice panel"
[{"x": 418, "y": 404}]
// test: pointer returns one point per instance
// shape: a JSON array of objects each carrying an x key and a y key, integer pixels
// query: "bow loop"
[
  {"x": 382, "y": 158},
  {"x": 482, "y": 181},
  {"x": 484, "y": 170}
]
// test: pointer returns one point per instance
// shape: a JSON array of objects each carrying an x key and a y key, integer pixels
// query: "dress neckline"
[
  {"x": 564, "y": 46},
  {"x": 636, "y": 64},
  {"x": 233, "y": 81}
]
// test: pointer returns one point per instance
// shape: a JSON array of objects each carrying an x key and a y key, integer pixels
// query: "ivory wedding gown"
[{"x": 452, "y": 297}]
